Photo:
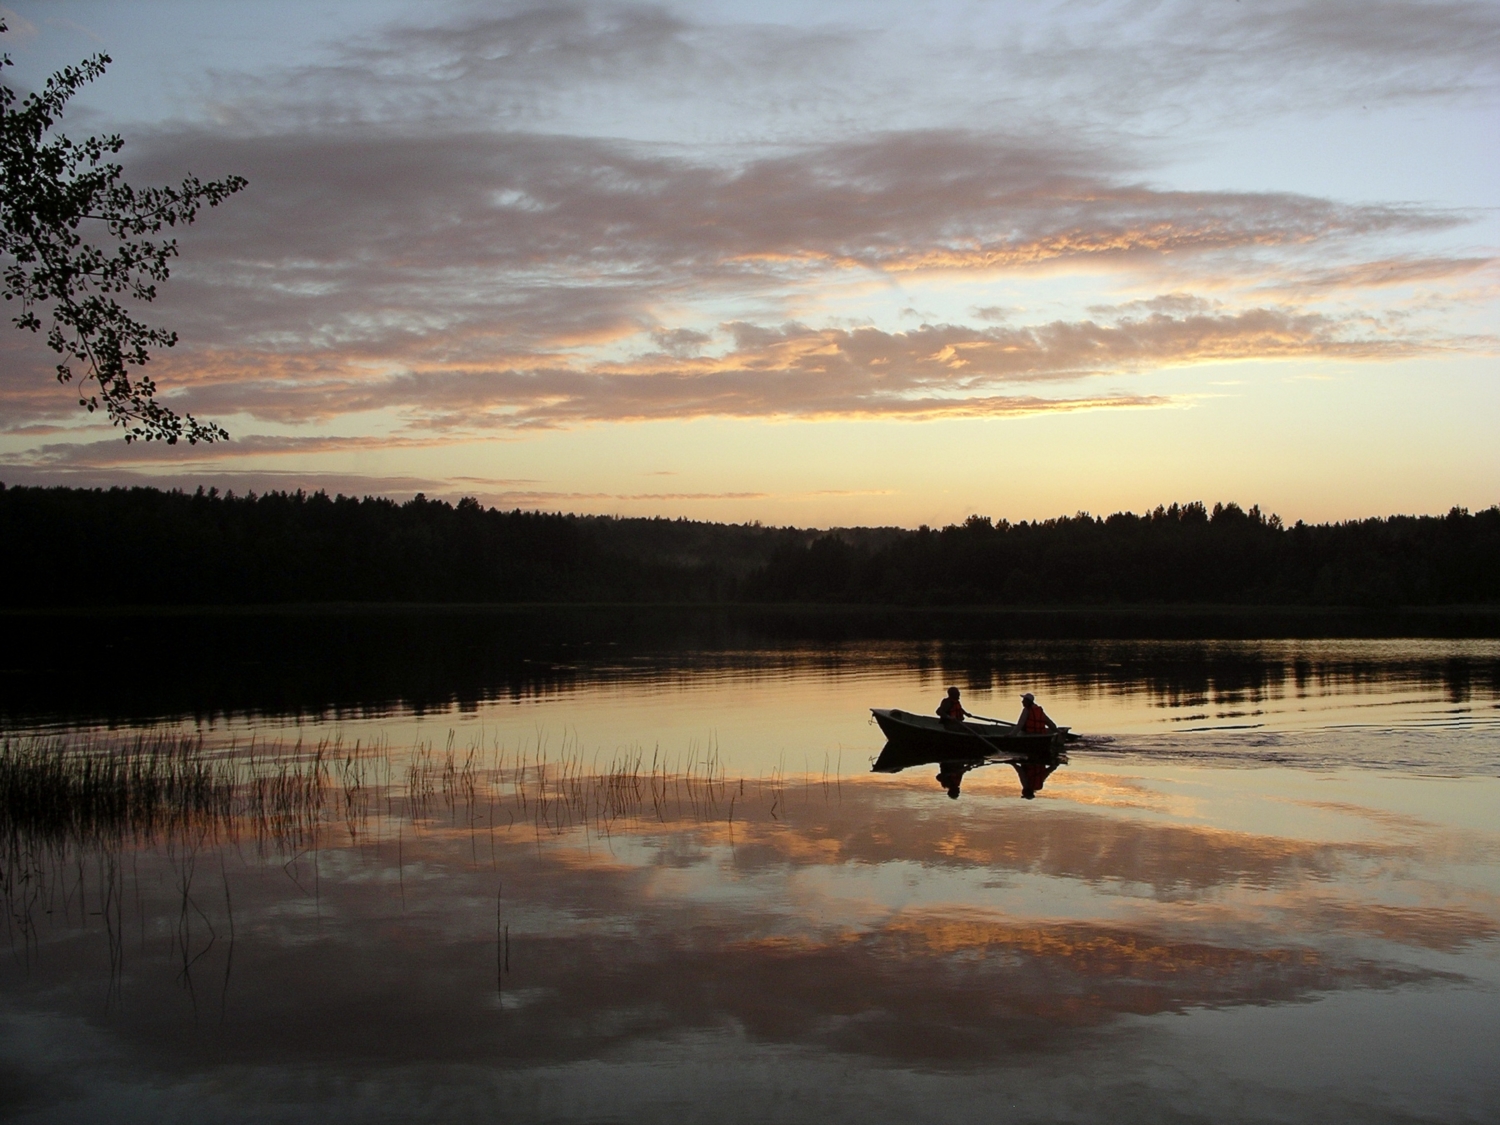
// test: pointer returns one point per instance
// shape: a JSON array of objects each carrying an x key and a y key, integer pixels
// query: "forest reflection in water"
[
  {"x": 788, "y": 694},
  {"x": 313, "y": 665},
  {"x": 459, "y": 928}
]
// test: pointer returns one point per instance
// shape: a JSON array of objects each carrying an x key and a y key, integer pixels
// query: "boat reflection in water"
[{"x": 1032, "y": 767}]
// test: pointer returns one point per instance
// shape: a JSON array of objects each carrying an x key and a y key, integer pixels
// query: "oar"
[
  {"x": 1067, "y": 736},
  {"x": 987, "y": 719},
  {"x": 981, "y": 737}
]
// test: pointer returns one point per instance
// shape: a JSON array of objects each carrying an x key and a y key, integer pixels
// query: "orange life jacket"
[
  {"x": 950, "y": 708},
  {"x": 1036, "y": 719}
]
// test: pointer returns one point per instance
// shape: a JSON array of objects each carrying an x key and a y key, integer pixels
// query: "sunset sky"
[{"x": 832, "y": 264}]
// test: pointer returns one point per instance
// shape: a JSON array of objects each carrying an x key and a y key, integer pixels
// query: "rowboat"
[{"x": 936, "y": 739}]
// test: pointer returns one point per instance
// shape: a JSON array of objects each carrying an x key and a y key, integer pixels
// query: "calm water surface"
[{"x": 626, "y": 882}]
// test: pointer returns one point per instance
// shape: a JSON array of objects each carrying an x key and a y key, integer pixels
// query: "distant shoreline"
[
  {"x": 1137, "y": 620},
  {"x": 142, "y": 547}
]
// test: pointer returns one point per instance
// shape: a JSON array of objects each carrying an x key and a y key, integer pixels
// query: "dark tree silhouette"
[
  {"x": 75, "y": 238},
  {"x": 173, "y": 548}
]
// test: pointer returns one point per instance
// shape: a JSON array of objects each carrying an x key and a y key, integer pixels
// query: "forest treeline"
[{"x": 143, "y": 546}]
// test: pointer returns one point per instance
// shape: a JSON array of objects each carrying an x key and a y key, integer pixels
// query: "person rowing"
[
  {"x": 950, "y": 710},
  {"x": 1033, "y": 719},
  {"x": 953, "y": 714}
]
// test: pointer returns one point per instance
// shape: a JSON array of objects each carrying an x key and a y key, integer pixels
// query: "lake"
[{"x": 568, "y": 869}]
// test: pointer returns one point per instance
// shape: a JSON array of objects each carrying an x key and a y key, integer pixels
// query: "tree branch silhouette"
[{"x": 76, "y": 238}]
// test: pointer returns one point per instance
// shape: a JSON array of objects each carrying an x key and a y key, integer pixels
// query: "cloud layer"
[{"x": 479, "y": 222}]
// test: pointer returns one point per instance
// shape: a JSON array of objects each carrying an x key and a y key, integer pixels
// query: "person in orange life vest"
[
  {"x": 950, "y": 710},
  {"x": 951, "y": 776},
  {"x": 1033, "y": 719},
  {"x": 1033, "y": 773}
]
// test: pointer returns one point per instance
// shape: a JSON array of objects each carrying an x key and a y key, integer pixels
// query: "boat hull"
[{"x": 933, "y": 739}]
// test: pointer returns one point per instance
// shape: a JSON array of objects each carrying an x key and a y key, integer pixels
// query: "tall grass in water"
[
  {"x": 78, "y": 812},
  {"x": 55, "y": 788},
  {"x": 569, "y": 788},
  {"x": 73, "y": 802},
  {"x": 106, "y": 788}
]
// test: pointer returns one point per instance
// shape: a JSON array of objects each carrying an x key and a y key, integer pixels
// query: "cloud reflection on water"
[{"x": 871, "y": 919}]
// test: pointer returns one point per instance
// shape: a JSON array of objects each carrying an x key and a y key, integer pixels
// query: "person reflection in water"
[
  {"x": 951, "y": 776},
  {"x": 950, "y": 710},
  {"x": 1033, "y": 773}
]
